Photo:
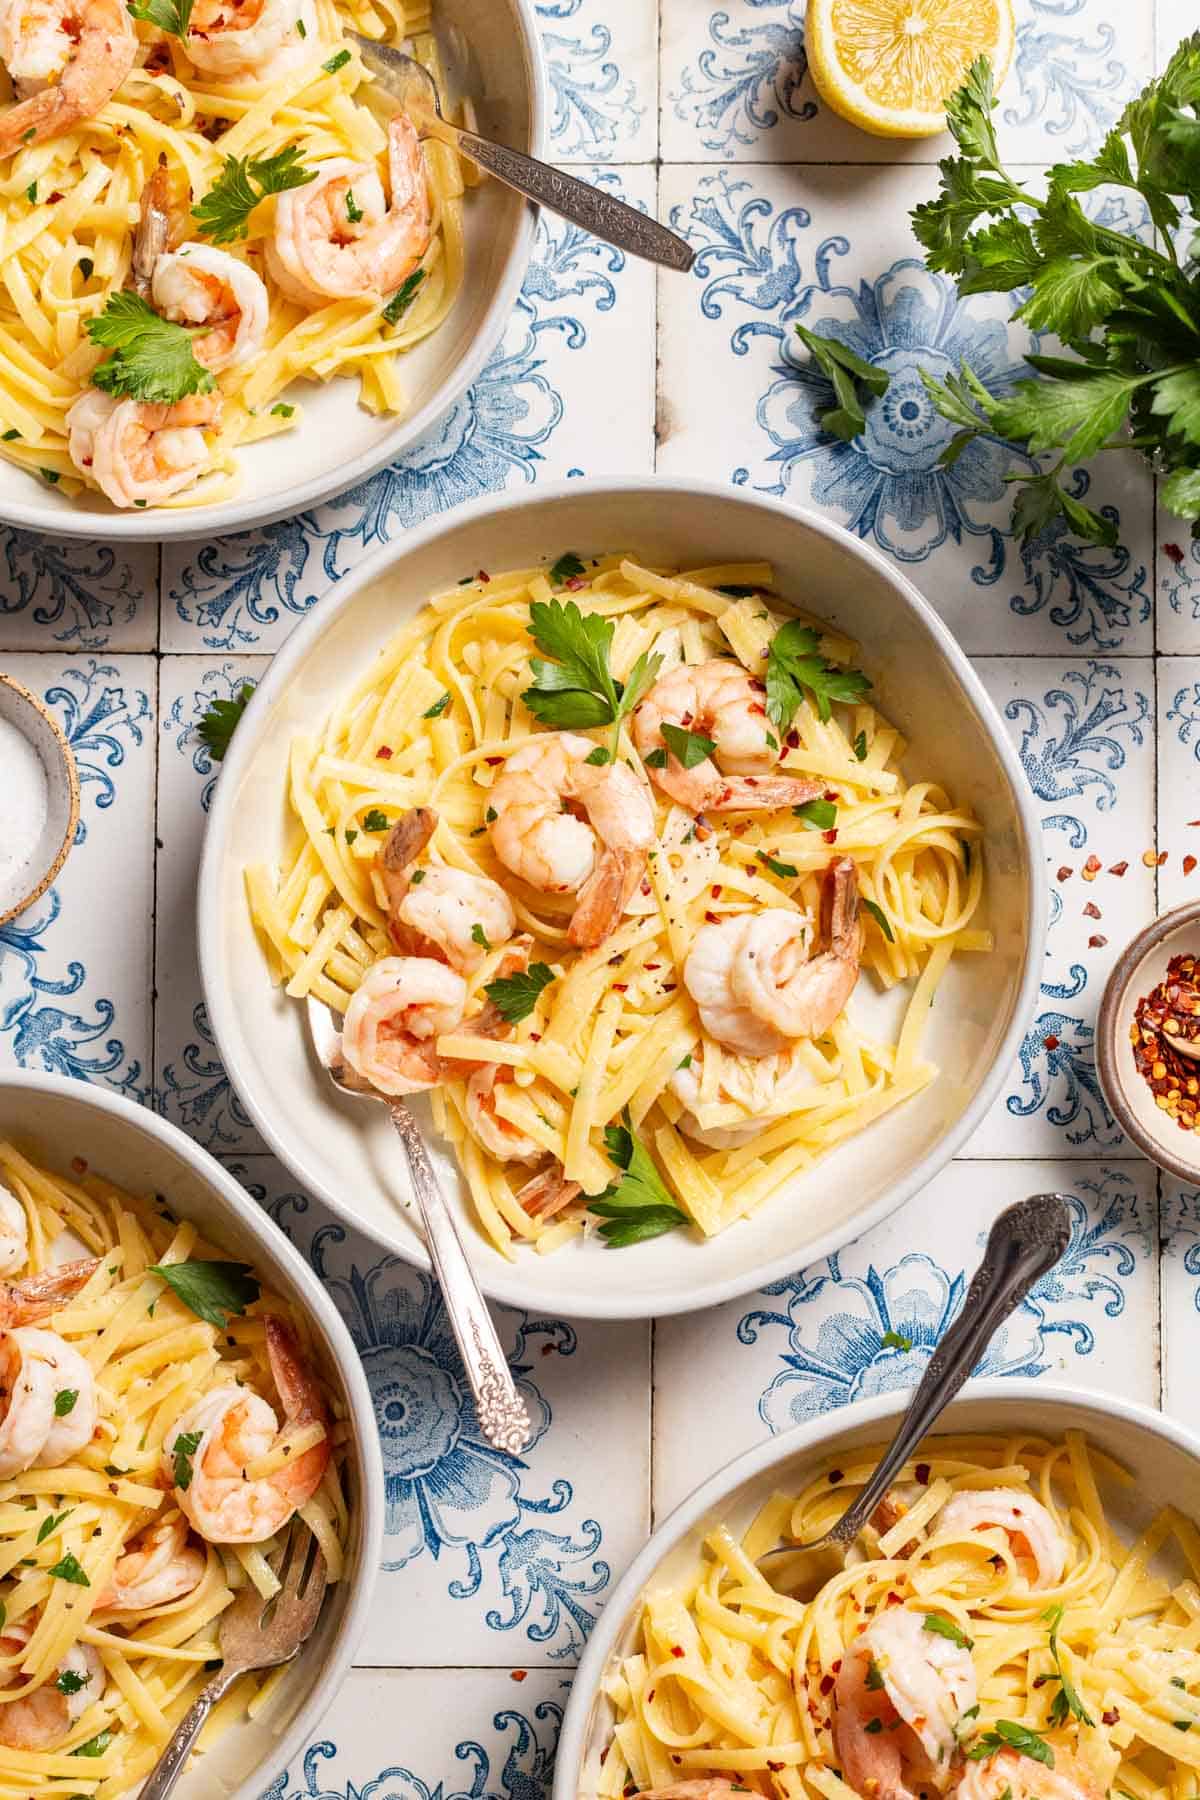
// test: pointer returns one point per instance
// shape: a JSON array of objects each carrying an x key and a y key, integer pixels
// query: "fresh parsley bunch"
[{"x": 1127, "y": 312}]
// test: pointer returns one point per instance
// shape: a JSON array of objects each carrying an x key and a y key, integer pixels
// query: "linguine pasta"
[
  {"x": 69, "y": 210},
  {"x": 67, "y": 1531},
  {"x": 1084, "y": 1684},
  {"x": 432, "y": 722}
]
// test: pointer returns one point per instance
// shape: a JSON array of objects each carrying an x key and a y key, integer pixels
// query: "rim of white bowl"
[
  {"x": 172, "y": 525},
  {"x": 504, "y": 1283},
  {"x": 332, "y": 1673},
  {"x": 1011, "y": 1390}
]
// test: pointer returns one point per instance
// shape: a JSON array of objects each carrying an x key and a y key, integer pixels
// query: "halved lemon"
[{"x": 889, "y": 66}]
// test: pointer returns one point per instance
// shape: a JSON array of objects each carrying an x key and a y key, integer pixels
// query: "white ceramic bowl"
[
  {"x": 346, "y": 1152},
  {"x": 59, "y": 1119},
  {"x": 339, "y": 443},
  {"x": 1164, "y": 1459},
  {"x": 23, "y": 882}
]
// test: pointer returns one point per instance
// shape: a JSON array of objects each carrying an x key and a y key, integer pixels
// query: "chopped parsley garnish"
[
  {"x": 417, "y": 877},
  {"x": 877, "y": 913},
  {"x": 1066, "y": 1704},
  {"x": 479, "y": 936},
  {"x": 64, "y": 1402},
  {"x": 11, "y": 435},
  {"x": 51, "y": 1523},
  {"x": 337, "y": 61},
  {"x": 437, "y": 709},
  {"x": 787, "y": 870},
  {"x": 95, "y": 1746},
  {"x": 219, "y": 722},
  {"x": 224, "y": 213},
  {"x": 151, "y": 359},
  {"x": 70, "y": 1569},
  {"x": 214, "y": 1290},
  {"x": 874, "y": 1677},
  {"x": 795, "y": 667},
  {"x": 490, "y": 816},
  {"x": 873, "y": 1726},
  {"x": 656, "y": 759},
  {"x": 1004, "y": 1735},
  {"x": 599, "y": 756},
  {"x": 354, "y": 211},
  {"x": 403, "y": 297},
  {"x": 860, "y": 747},
  {"x": 281, "y": 410},
  {"x": 577, "y": 689},
  {"x": 86, "y": 265},
  {"x": 937, "y": 1623},
  {"x": 569, "y": 567},
  {"x": 894, "y": 1340},
  {"x": 638, "y": 1206},
  {"x": 50, "y": 475},
  {"x": 183, "y": 1450},
  {"x": 31, "y": 193},
  {"x": 736, "y": 591},
  {"x": 374, "y": 820},
  {"x": 515, "y": 996},
  {"x": 687, "y": 747},
  {"x": 70, "y": 1683},
  {"x": 171, "y": 16},
  {"x": 816, "y": 815}
]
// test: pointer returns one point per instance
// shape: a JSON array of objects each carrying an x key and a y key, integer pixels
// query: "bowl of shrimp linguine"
[
  {"x": 237, "y": 279},
  {"x": 179, "y": 1395},
  {"x": 692, "y": 896},
  {"x": 1016, "y": 1621}
]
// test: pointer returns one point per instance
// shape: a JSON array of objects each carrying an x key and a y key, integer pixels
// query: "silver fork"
[
  {"x": 255, "y": 1634},
  {"x": 606, "y": 217},
  {"x": 1023, "y": 1245},
  {"x": 503, "y": 1418}
]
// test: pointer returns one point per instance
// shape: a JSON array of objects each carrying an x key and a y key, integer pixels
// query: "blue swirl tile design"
[
  {"x": 850, "y": 1338},
  {"x": 196, "y": 1092},
  {"x": 1181, "y": 1232},
  {"x": 746, "y": 78},
  {"x": 493, "y": 436},
  {"x": 449, "y": 1493},
  {"x": 100, "y": 718},
  {"x": 181, "y": 721},
  {"x": 525, "y": 1774},
  {"x": 79, "y": 590},
  {"x": 888, "y": 484},
  {"x": 594, "y": 104},
  {"x": 1184, "y": 713},
  {"x": 1070, "y": 82}
]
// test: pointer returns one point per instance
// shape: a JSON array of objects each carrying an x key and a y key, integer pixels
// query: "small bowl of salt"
[{"x": 39, "y": 798}]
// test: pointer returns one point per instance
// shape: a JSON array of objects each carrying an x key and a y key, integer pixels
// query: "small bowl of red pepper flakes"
[{"x": 1149, "y": 1019}]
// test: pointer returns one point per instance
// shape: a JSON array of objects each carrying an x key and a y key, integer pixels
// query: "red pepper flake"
[
  {"x": 831, "y": 794},
  {"x": 1091, "y": 868},
  {"x": 676, "y": 1650},
  {"x": 1097, "y": 942},
  {"x": 491, "y": 761},
  {"x": 756, "y": 706},
  {"x": 1050, "y": 1042},
  {"x": 775, "y": 1767},
  {"x": 482, "y": 575},
  {"x": 646, "y": 887},
  {"x": 620, "y": 987},
  {"x": 830, "y": 836},
  {"x": 675, "y": 1757},
  {"x": 1174, "y": 552},
  {"x": 922, "y": 1473},
  {"x": 604, "y": 1755},
  {"x": 1150, "y": 859},
  {"x": 827, "y": 1684},
  {"x": 716, "y": 891},
  {"x": 651, "y": 1694},
  {"x": 1041, "y": 1680},
  {"x": 1065, "y": 873},
  {"x": 548, "y": 1349},
  {"x": 1189, "y": 863},
  {"x": 517, "y": 1674},
  {"x": 836, "y": 1475},
  {"x": 1118, "y": 869},
  {"x": 1091, "y": 910},
  {"x": 895, "y": 1600},
  {"x": 652, "y": 965},
  {"x": 384, "y": 753},
  {"x": 78, "y": 1166},
  {"x": 792, "y": 740},
  {"x": 54, "y": 198},
  {"x": 1111, "y": 1717},
  {"x": 713, "y": 918},
  {"x": 575, "y": 583}
]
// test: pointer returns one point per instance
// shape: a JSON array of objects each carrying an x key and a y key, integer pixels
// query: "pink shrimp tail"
[{"x": 24, "y": 1302}]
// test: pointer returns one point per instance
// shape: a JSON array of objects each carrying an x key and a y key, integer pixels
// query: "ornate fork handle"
[
  {"x": 503, "y": 1417},
  {"x": 169, "y": 1767}
]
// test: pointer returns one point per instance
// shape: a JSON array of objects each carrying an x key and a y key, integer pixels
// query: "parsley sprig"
[
  {"x": 795, "y": 667},
  {"x": 171, "y": 16},
  {"x": 1066, "y": 1703},
  {"x": 219, "y": 721},
  {"x": 576, "y": 689},
  {"x": 224, "y": 213},
  {"x": 1004, "y": 1735},
  {"x": 638, "y": 1206},
  {"x": 182, "y": 1451},
  {"x": 152, "y": 358},
  {"x": 515, "y": 996},
  {"x": 214, "y": 1291}
]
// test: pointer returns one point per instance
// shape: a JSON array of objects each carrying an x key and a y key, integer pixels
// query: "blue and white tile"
[
  {"x": 1178, "y": 779},
  {"x": 569, "y": 392},
  {"x": 75, "y": 969},
  {"x": 68, "y": 594},
  {"x": 1178, "y": 599},
  {"x": 865, "y": 1322},
  {"x": 416, "y": 1734},
  {"x": 601, "y": 66},
  {"x": 501, "y": 1558},
  {"x": 193, "y": 1088},
  {"x": 735, "y": 84},
  {"x": 1180, "y": 1271},
  {"x": 1085, "y": 733},
  {"x": 739, "y": 401}
]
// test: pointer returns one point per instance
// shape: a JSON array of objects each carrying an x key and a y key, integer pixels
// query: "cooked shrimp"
[
  {"x": 406, "y": 838},
  {"x": 554, "y": 850},
  {"x": 403, "y": 1005},
  {"x": 40, "y": 1372},
  {"x": 14, "y": 1232},
  {"x": 706, "y": 1787},
  {"x": 897, "y": 1674},
  {"x": 503, "y": 1140},
  {"x": 318, "y": 252},
  {"x": 37, "y": 1296},
  {"x": 249, "y": 40},
  {"x": 43, "y": 1718},
  {"x": 200, "y": 285},
  {"x": 236, "y": 1427},
  {"x": 68, "y": 57},
  {"x": 719, "y": 701},
  {"x": 162, "y": 1565},
  {"x": 1021, "y": 1778},
  {"x": 545, "y": 1194},
  {"x": 765, "y": 1086},
  {"x": 136, "y": 452},
  {"x": 708, "y": 977},
  {"x": 1039, "y": 1545},
  {"x": 162, "y": 222},
  {"x": 438, "y": 911}
]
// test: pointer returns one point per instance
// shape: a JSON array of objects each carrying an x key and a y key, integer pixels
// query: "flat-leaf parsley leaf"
[
  {"x": 638, "y": 1206},
  {"x": 224, "y": 213},
  {"x": 515, "y": 996},
  {"x": 218, "y": 723},
  {"x": 152, "y": 358},
  {"x": 213, "y": 1290}
]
